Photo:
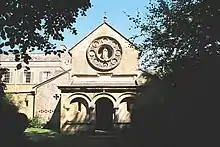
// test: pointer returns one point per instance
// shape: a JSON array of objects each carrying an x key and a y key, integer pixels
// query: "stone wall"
[
  {"x": 128, "y": 64},
  {"x": 23, "y": 97},
  {"x": 48, "y": 96}
]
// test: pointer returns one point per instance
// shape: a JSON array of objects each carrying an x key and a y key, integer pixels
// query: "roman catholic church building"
[{"x": 91, "y": 86}]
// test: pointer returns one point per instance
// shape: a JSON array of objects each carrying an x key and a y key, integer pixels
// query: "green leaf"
[
  {"x": 12, "y": 45},
  {"x": 26, "y": 60},
  {"x": 19, "y": 66},
  {"x": 28, "y": 68},
  {"x": 17, "y": 59},
  {"x": 7, "y": 43},
  {"x": 5, "y": 53},
  {"x": 16, "y": 51},
  {"x": 1, "y": 45}
]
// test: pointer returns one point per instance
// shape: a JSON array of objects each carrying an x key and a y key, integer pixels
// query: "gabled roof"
[
  {"x": 105, "y": 23},
  {"x": 51, "y": 79}
]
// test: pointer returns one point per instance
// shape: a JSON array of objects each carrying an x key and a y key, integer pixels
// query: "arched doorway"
[{"x": 104, "y": 114}]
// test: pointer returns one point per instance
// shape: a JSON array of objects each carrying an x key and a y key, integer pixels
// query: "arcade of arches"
[{"x": 103, "y": 111}]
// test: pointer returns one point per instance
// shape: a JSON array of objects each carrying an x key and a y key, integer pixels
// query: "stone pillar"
[
  {"x": 92, "y": 114},
  {"x": 115, "y": 121},
  {"x": 116, "y": 115}
]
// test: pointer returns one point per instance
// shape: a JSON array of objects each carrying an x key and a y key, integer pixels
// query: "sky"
[{"x": 115, "y": 17}]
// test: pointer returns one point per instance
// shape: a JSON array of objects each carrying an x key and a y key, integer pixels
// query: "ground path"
[{"x": 85, "y": 140}]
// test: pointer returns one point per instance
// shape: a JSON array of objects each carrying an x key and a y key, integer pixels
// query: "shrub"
[
  {"x": 8, "y": 98},
  {"x": 36, "y": 122},
  {"x": 8, "y": 103}
]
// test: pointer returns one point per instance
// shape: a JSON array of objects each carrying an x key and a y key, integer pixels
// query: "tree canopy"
[
  {"x": 29, "y": 24},
  {"x": 175, "y": 30},
  {"x": 180, "y": 38}
]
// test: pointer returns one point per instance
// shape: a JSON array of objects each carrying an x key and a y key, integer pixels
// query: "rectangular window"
[
  {"x": 46, "y": 75},
  {"x": 27, "y": 77},
  {"x": 7, "y": 77}
]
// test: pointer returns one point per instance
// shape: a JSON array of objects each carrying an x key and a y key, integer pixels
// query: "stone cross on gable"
[
  {"x": 105, "y": 17},
  {"x": 56, "y": 96}
]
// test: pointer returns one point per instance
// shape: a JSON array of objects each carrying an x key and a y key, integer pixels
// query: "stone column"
[
  {"x": 115, "y": 121},
  {"x": 116, "y": 115},
  {"x": 92, "y": 115}
]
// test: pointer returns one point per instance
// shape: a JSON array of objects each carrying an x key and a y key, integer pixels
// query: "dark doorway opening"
[{"x": 104, "y": 114}]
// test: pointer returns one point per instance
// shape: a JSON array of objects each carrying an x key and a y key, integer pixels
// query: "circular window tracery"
[{"x": 104, "y": 53}]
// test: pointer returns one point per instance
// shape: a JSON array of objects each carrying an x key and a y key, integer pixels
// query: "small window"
[
  {"x": 27, "y": 77},
  {"x": 26, "y": 102},
  {"x": 7, "y": 77},
  {"x": 46, "y": 75}
]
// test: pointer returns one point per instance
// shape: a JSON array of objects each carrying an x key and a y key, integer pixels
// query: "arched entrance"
[{"x": 104, "y": 114}]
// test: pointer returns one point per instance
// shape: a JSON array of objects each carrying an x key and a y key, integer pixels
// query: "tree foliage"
[
  {"x": 3, "y": 71},
  {"x": 29, "y": 24},
  {"x": 180, "y": 37},
  {"x": 178, "y": 30},
  {"x": 8, "y": 103}
]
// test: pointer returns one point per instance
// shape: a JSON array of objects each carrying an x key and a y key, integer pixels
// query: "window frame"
[
  {"x": 7, "y": 76},
  {"x": 26, "y": 77},
  {"x": 46, "y": 75}
]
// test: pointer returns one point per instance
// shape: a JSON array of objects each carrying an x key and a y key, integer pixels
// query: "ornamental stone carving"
[{"x": 104, "y": 53}]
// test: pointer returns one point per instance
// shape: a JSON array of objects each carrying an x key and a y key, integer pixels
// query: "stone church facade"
[{"x": 95, "y": 88}]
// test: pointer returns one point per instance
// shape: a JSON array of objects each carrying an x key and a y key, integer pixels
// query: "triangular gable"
[{"x": 105, "y": 23}]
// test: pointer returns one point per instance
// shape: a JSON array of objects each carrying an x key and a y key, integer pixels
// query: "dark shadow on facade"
[
  {"x": 81, "y": 102},
  {"x": 81, "y": 120},
  {"x": 54, "y": 123}
]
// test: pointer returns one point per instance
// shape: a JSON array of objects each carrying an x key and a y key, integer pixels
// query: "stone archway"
[
  {"x": 80, "y": 102},
  {"x": 103, "y": 95},
  {"x": 75, "y": 114},
  {"x": 125, "y": 104},
  {"x": 124, "y": 96},
  {"x": 72, "y": 98},
  {"x": 104, "y": 114}
]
